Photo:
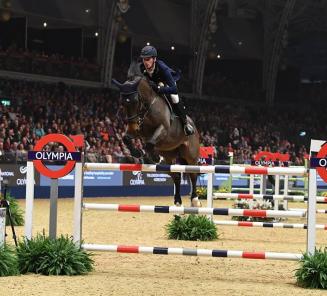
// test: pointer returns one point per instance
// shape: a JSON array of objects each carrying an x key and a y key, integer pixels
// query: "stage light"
[
  {"x": 218, "y": 56},
  {"x": 148, "y": 43},
  {"x": 172, "y": 48},
  {"x": 45, "y": 24},
  {"x": 96, "y": 34}
]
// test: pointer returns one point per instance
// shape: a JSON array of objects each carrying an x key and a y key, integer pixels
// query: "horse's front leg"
[
  {"x": 152, "y": 141},
  {"x": 130, "y": 134}
]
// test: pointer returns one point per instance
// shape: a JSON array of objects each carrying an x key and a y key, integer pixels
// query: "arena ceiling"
[
  {"x": 308, "y": 15},
  {"x": 168, "y": 21}
]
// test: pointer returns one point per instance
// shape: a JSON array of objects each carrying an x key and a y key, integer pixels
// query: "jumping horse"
[{"x": 150, "y": 117}]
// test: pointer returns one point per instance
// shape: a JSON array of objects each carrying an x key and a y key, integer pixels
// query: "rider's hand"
[{"x": 154, "y": 86}]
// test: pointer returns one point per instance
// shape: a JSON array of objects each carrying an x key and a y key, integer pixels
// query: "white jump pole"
[
  {"x": 209, "y": 192},
  {"x": 263, "y": 184},
  {"x": 277, "y": 182},
  {"x": 29, "y": 200},
  {"x": 286, "y": 179},
  {"x": 315, "y": 146},
  {"x": 311, "y": 214},
  {"x": 78, "y": 193},
  {"x": 251, "y": 191}
]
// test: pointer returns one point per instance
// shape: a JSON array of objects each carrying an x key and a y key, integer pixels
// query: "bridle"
[{"x": 142, "y": 109}]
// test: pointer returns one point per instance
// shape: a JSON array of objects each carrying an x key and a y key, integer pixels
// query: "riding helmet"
[{"x": 148, "y": 52}]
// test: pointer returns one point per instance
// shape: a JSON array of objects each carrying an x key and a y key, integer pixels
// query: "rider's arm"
[{"x": 171, "y": 87}]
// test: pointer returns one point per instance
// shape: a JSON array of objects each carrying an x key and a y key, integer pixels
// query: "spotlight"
[
  {"x": 218, "y": 56},
  {"x": 96, "y": 34},
  {"x": 148, "y": 43},
  {"x": 172, "y": 48},
  {"x": 45, "y": 24}
]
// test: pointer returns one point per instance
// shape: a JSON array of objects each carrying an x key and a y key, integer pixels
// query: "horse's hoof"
[{"x": 196, "y": 203}]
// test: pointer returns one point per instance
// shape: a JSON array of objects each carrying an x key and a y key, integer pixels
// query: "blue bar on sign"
[
  {"x": 54, "y": 156},
  {"x": 318, "y": 162}
]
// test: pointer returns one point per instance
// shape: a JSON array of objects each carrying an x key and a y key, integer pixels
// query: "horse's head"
[{"x": 130, "y": 97}]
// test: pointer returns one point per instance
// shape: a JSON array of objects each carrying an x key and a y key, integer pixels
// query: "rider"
[{"x": 162, "y": 79}]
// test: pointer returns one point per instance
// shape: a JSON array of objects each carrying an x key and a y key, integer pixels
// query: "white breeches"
[{"x": 174, "y": 98}]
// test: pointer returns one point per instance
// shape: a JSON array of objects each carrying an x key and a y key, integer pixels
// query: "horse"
[{"x": 150, "y": 117}]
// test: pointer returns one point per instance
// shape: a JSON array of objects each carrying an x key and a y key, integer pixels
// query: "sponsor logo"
[
  {"x": 7, "y": 174},
  {"x": 320, "y": 162},
  {"x": 63, "y": 156},
  {"x": 21, "y": 182},
  {"x": 23, "y": 169},
  {"x": 266, "y": 158},
  {"x": 71, "y": 156},
  {"x": 138, "y": 179}
]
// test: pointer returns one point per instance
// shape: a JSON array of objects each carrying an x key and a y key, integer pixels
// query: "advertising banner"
[
  {"x": 16, "y": 174},
  {"x": 91, "y": 178},
  {"x": 148, "y": 178},
  {"x": 219, "y": 179}
]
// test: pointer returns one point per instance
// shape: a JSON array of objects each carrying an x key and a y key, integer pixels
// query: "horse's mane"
[{"x": 134, "y": 71}]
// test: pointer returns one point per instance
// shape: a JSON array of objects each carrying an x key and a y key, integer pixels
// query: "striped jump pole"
[
  {"x": 197, "y": 169},
  {"x": 192, "y": 252},
  {"x": 318, "y": 211},
  {"x": 267, "y": 224},
  {"x": 192, "y": 210},
  {"x": 266, "y": 197},
  {"x": 258, "y": 178}
]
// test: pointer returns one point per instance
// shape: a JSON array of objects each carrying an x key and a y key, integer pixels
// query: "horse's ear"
[{"x": 117, "y": 83}]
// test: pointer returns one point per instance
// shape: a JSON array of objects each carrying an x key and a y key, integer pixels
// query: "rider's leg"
[{"x": 179, "y": 108}]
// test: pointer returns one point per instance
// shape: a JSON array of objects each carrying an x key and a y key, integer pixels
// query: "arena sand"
[{"x": 133, "y": 274}]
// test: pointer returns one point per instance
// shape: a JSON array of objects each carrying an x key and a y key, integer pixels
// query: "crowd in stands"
[
  {"x": 37, "y": 109},
  {"x": 20, "y": 60}
]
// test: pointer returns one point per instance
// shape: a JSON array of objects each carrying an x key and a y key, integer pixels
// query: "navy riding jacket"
[{"x": 162, "y": 73}]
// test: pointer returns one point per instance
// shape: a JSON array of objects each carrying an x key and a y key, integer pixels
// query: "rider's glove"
[{"x": 154, "y": 86}]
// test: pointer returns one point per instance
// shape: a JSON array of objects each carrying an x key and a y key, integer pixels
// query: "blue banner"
[
  {"x": 219, "y": 179},
  {"x": 91, "y": 178},
  {"x": 318, "y": 162},
  {"x": 320, "y": 183}
]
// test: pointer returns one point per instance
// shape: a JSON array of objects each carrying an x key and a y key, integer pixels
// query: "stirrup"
[{"x": 188, "y": 129}]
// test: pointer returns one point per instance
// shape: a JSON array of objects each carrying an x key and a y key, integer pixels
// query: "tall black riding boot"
[{"x": 180, "y": 111}]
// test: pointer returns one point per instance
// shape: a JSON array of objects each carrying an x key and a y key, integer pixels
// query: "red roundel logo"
[
  {"x": 70, "y": 156},
  {"x": 322, "y": 169}
]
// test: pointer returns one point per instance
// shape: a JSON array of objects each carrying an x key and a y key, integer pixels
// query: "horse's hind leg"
[
  {"x": 169, "y": 157},
  {"x": 194, "y": 198},
  {"x": 177, "y": 182}
]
